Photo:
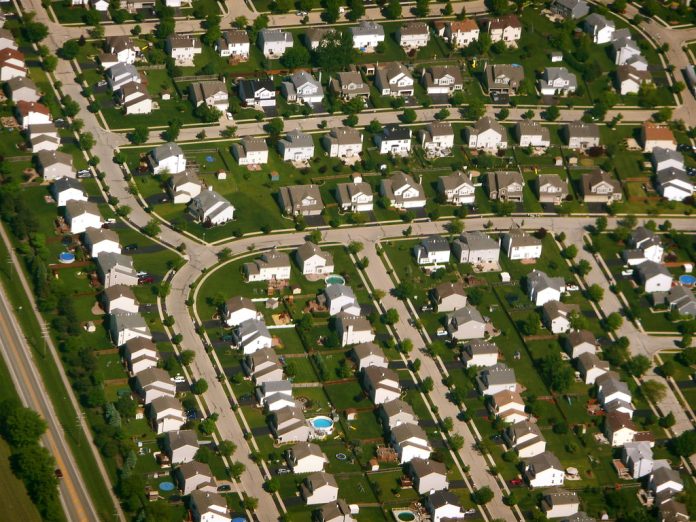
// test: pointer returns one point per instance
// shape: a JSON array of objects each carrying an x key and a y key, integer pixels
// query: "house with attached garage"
[
  {"x": 599, "y": 28},
  {"x": 476, "y": 248},
  {"x": 518, "y": 244},
  {"x": 338, "y": 511},
  {"x": 590, "y": 367},
  {"x": 210, "y": 208},
  {"x": 495, "y": 379},
  {"x": 428, "y": 475},
  {"x": 614, "y": 394},
  {"x": 183, "y": 49},
  {"x": 313, "y": 261},
  {"x": 343, "y": 142},
  {"x": 381, "y": 384},
  {"x": 234, "y": 44},
  {"x": 532, "y": 134},
  {"x": 544, "y": 470},
  {"x": 319, "y": 488},
  {"x": 508, "y": 406},
  {"x": 486, "y": 134},
  {"x": 570, "y": 9},
  {"x": 121, "y": 74},
  {"x": 653, "y": 136},
  {"x": 208, "y": 506},
  {"x": 432, "y": 250},
  {"x": 306, "y": 457},
  {"x": 394, "y": 79},
  {"x": 556, "y": 316},
  {"x": 32, "y": 113},
  {"x": 654, "y": 277},
  {"x": 681, "y": 299},
  {"x": 410, "y": 442},
  {"x": 505, "y": 186},
  {"x": 578, "y": 342},
  {"x": 665, "y": 480},
  {"x": 269, "y": 266},
  {"x": 41, "y": 140},
  {"x": 289, "y": 425},
  {"x": 367, "y": 35},
  {"x": 296, "y": 146},
  {"x": 99, "y": 240},
  {"x": 557, "y": 81},
  {"x": 116, "y": 269},
  {"x": 542, "y": 288},
  {"x": 629, "y": 80},
  {"x": 448, "y": 297},
  {"x": 12, "y": 65},
  {"x": 140, "y": 354},
  {"x": 559, "y": 503},
  {"x": 366, "y": 355},
  {"x": 195, "y": 476},
  {"x": 250, "y": 151},
  {"x": 274, "y": 42},
  {"x": 135, "y": 99},
  {"x": 674, "y": 185},
  {"x": 123, "y": 47},
  {"x": 665, "y": 159},
  {"x": 619, "y": 428},
  {"x": 302, "y": 88},
  {"x": 22, "y": 89},
  {"x": 263, "y": 366},
  {"x": 444, "y": 506},
  {"x": 395, "y": 140},
  {"x": 184, "y": 187},
  {"x": 413, "y": 36},
  {"x": 644, "y": 245},
  {"x": 340, "y": 298},
  {"x": 638, "y": 458},
  {"x": 274, "y": 395},
  {"x": 152, "y": 383},
  {"x": 166, "y": 414},
  {"x": 600, "y": 187},
  {"x": 506, "y": 29},
  {"x": 54, "y": 164},
  {"x": 461, "y": 33},
  {"x": 67, "y": 189},
  {"x": 466, "y": 323},
  {"x": 402, "y": 191},
  {"x": 356, "y": 196},
  {"x": 237, "y": 309},
  {"x": 353, "y": 329},
  {"x": 581, "y": 135},
  {"x": 81, "y": 215},
  {"x": 257, "y": 93},
  {"x": 525, "y": 438},
  {"x": 456, "y": 188},
  {"x": 437, "y": 139},
  {"x": 181, "y": 446},
  {"x": 479, "y": 353},
  {"x": 168, "y": 158},
  {"x": 350, "y": 84},
  {"x": 627, "y": 52},
  {"x": 211, "y": 93},
  {"x": 252, "y": 335},
  {"x": 397, "y": 412},
  {"x": 125, "y": 326},
  {"x": 552, "y": 189},
  {"x": 442, "y": 79},
  {"x": 301, "y": 200}
]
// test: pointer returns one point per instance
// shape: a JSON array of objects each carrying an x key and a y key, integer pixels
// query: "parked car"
[
  {"x": 516, "y": 482},
  {"x": 58, "y": 473},
  {"x": 224, "y": 487},
  {"x": 131, "y": 247},
  {"x": 146, "y": 280}
]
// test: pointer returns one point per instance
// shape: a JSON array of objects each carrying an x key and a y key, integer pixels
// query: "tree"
[
  {"x": 275, "y": 128},
  {"x": 332, "y": 11},
  {"x": 374, "y": 127},
  {"x": 422, "y": 8},
  {"x": 250, "y": 503},
  {"x": 614, "y": 321},
  {"x": 475, "y": 110},
  {"x": 236, "y": 470},
  {"x": 199, "y": 386},
  {"x": 351, "y": 120},
  {"x": 226, "y": 448},
  {"x": 139, "y": 135},
  {"x": 583, "y": 267},
  {"x": 503, "y": 113},
  {"x": 272, "y": 485},
  {"x": 296, "y": 56},
  {"x": 187, "y": 357},
  {"x": 595, "y": 293},
  {"x": 409, "y": 116},
  {"x": 240, "y": 22},
  {"x": 618, "y": 6},
  {"x": 552, "y": 113},
  {"x": 33, "y": 32},
  {"x": 456, "y": 442},
  {"x": 152, "y": 228},
  {"x": 482, "y": 496},
  {"x": 531, "y": 325},
  {"x": 357, "y": 10},
  {"x": 335, "y": 52},
  {"x": 442, "y": 114},
  {"x": 558, "y": 374},
  {"x": 282, "y": 6},
  {"x": 70, "y": 106},
  {"x": 69, "y": 50},
  {"x": 391, "y": 316},
  {"x": 637, "y": 365},
  {"x": 355, "y": 247},
  {"x": 684, "y": 445},
  {"x": 126, "y": 407},
  {"x": 654, "y": 391},
  {"x": 86, "y": 141},
  {"x": 570, "y": 252},
  {"x": 427, "y": 385},
  {"x": 22, "y": 426},
  {"x": 173, "y": 130},
  {"x": 600, "y": 224},
  {"x": 393, "y": 10}
]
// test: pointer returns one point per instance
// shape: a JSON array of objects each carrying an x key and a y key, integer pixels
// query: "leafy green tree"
[
  {"x": 475, "y": 110},
  {"x": 595, "y": 293},
  {"x": 227, "y": 448},
  {"x": 294, "y": 57},
  {"x": 357, "y": 10},
  {"x": 422, "y": 8},
  {"x": 69, "y": 50},
  {"x": 614, "y": 321},
  {"x": 654, "y": 391},
  {"x": 583, "y": 267},
  {"x": 275, "y": 128},
  {"x": 531, "y": 325},
  {"x": 393, "y": 10},
  {"x": 391, "y": 316},
  {"x": 236, "y": 470},
  {"x": 552, "y": 113},
  {"x": 570, "y": 252},
  {"x": 21, "y": 426},
  {"x": 86, "y": 141},
  {"x": 335, "y": 52},
  {"x": 637, "y": 365},
  {"x": 558, "y": 374},
  {"x": 409, "y": 116},
  {"x": 332, "y": 11},
  {"x": 427, "y": 385},
  {"x": 684, "y": 445},
  {"x": 139, "y": 135}
]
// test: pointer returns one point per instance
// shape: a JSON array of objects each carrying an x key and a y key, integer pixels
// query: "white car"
[{"x": 179, "y": 379}]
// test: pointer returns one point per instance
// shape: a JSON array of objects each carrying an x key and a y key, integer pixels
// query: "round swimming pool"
[
  {"x": 687, "y": 279},
  {"x": 66, "y": 257},
  {"x": 322, "y": 425},
  {"x": 406, "y": 516},
  {"x": 166, "y": 486},
  {"x": 335, "y": 279}
]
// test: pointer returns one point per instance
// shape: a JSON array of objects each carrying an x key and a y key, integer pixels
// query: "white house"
[
  {"x": 123, "y": 47},
  {"x": 353, "y": 329},
  {"x": 665, "y": 159},
  {"x": 476, "y": 248},
  {"x": 410, "y": 442},
  {"x": 289, "y": 425},
  {"x": 234, "y": 44},
  {"x": 356, "y": 196},
  {"x": 54, "y": 164},
  {"x": 487, "y": 134},
  {"x": 181, "y": 446},
  {"x": 81, "y": 215},
  {"x": 183, "y": 49},
  {"x": 644, "y": 245},
  {"x": 674, "y": 185},
  {"x": 135, "y": 99},
  {"x": 341, "y": 299},
  {"x": 269, "y": 266},
  {"x": 506, "y": 29},
  {"x": 480, "y": 353},
  {"x": 402, "y": 191},
  {"x": 166, "y": 414},
  {"x": 413, "y": 35},
  {"x": 638, "y": 458},
  {"x": 508, "y": 406},
  {"x": 195, "y": 476},
  {"x": 296, "y": 146},
  {"x": 448, "y": 297},
  {"x": 116, "y": 269},
  {"x": 557, "y": 81},
  {"x": 32, "y": 113},
  {"x": 303, "y": 88},
  {"x": 466, "y": 323},
  {"x": 120, "y": 298},
  {"x": 263, "y": 366},
  {"x": 496, "y": 378},
  {"x": 319, "y": 488},
  {"x": 461, "y": 33},
  {"x": 257, "y": 93},
  {"x": 397, "y": 412},
  {"x": 313, "y": 261},
  {"x": 557, "y": 316},
  {"x": 211, "y": 208},
  {"x": 599, "y": 28},
  {"x": 239, "y": 309},
  {"x": 532, "y": 134},
  {"x": 212, "y": 93},
  {"x": 274, "y": 42},
  {"x": 542, "y": 288},
  {"x": 301, "y": 200},
  {"x": 343, "y": 142},
  {"x": 207, "y": 506},
  {"x": 590, "y": 367},
  {"x": 394, "y": 79},
  {"x": 369, "y": 354},
  {"x": 168, "y": 158},
  {"x": 274, "y": 395},
  {"x": 367, "y": 36},
  {"x": 457, "y": 189},
  {"x": 22, "y": 89},
  {"x": 654, "y": 277},
  {"x": 432, "y": 250},
  {"x": 381, "y": 384},
  {"x": 544, "y": 470},
  {"x": 67, "y": 189},
  {"x": 251, "y": 151},
  {"x": 665, "y": 480},
  {"x": 306, "y": 457},
  {"x": 12, "y": 65},
  {"x": 184, "y": 187},
  {"x": 619, "y": 428},
  {"x": 428, "y": 476},
  {"x": 126, "y": 326},
  {"x": 121, "y": 74},
  {"x": 153, "y": 383},
  {"x": 395, "y": 140},
  {"x": 653, "y": 136},
  {"x": 579, "y": 342},
  {"x": 560, "y": 503},
  {"x": 437, "y": 139},
  {"x": 518, "y": 244},
  {"x": 526, "y": 439},
  {"x": 252, "y": 335},
  {"x": 140, "y": 353},
  {"x": 99, "y": 240},
  {"x": 444, "y": 506}
]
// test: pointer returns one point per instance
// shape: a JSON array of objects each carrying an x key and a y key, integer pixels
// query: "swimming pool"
[
  {"x": 403, "y": 514},
  {"x": 687, "y": 279},
  {"x": 66, "y": 257},
  {"x": 166, "y": 486},
  {"x": 322, "y": 425},
  {"x": 335, "y": 279}
]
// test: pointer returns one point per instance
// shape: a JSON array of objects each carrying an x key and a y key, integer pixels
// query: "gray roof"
[
  {"x": 122, "y": 69},
  {"x": 166, "y": 150},
  {"x": 358, "y": 322},
  {"x": 532, "y": 128},
  {"x": 335, "y": 510},
  {"x": 297, "y": 138},
  {"x": 288, "y": 413},
  {"x": 661, "y": 154},
  {"x": 555, "y": 181},
  {"x": 519, "y": 237},
  {"x": 367, "y": 28},
  {"x": 397, "y": 406},
  {"x": 644, "y": 237},
  {"x": 151, "y": 376},
  {"x": 480, "y": 347},
  {"x": 498, "y": 374},
  {"x": 455, "y": 180},
  {"x": 301, "y": 450},
  {"x": 637, "y": 450},
  {"x": 443, "y": 498},
  {"x": 300, "y": 78},
  {"x": 665, "y": 474},
  {"x": 48, "y": 158},
  {"x": 610, "y": 383},
  {"x": 538, "y": 280},
  {"x": 488, "y": 123},
  {"x": 477, "y": 240},
  {"x": 65, "y": 183},
  {"x": 520, "y": 429},
  {"x": 544, "y": 461},
  {"x": 334, "y": 291},
  {"x": 191, "y": 469},
  {"x": 345, "y": 136},
  {"x": 254, "y": 327},
  {"x": 364, "y": 350},
  {"x": 203, "y": 90},
  {"x": 179, "y": 180},
  {"x": 124, "y": 321},
  {"x": 19, "y": 82},
  {"x": 560, "y": 497},
  {"x": 465, "y": 314},
  {"x": 237, "y": 303},
  {"x": 308, "y": 250},
  {"x": 503, "y": 179},
  {"x": 175, "y": 41},
  {"x": 205, "y": 500},
  {"x": 422, "y": 468},
  {"x": 435, "y": 244},
  {"x": 165, "y": 402},
  {"x": 580, "y": 129},
  {"x": 275, "y": 35},
  {"x": 683, "y": 299},
  {"x": 403, "y": 432},
  {"x": 399, "y": 180},
  {"x": 587, "y": 361},
  {"x": 110, "y": 260},
  {"x": 95, "y": 235},
  {"x": 598, "y": 21},
  {"x": 554, "y": 73},
  {"x": 319, "y": 479},
  {"x": 650, "y": 269},
  {"x": 181, "y": 438},
  {"x": 209, "y": 198},
  {"x": 669, "y": 175},
  {"x": 270, "y": 387},
  {"x": 316, "y": 34},
  {"x": 254, "y": 144},
  {"x": 116, "y": 291},
  {"x": 235, "y": 36},
  {"x": 292, "y": 198}
]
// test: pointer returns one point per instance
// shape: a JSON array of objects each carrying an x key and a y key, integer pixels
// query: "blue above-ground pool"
[
  {"x": 335, "y": 279},
  {"x": 66, "y": 257},
  {"x": 687, "y": 279},
  {"x": 166, "y": 486},
  {"x": 239, "y": 519}
]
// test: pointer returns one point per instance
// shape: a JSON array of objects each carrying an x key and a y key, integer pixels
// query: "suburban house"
[
  {"x": 32, "y": 113},
  {"x": 552, "y": 189},
  {"x": 410, "y": 442},
  {"x": 496, "y": 378},
  {"x": 437, "y": 139},
  {"x": 402, "y": 191},
  {"x": 544, "y": 470},
  {"x": 394, "y": 80},
  {"x": 356, "y": 196},
  {"x": 319, "y": 488},
  {"x": 654, "y": 277},
  {"x": 257, "y": 93},
  {"x": 116, "y": 269},
  {"x": 306, "y": 457},
  {"x": 665, "y": 159},
  {"x": 7, "y": 40},
  {"x": 302, "y": 88},
  {"x": 599, "y": 28},
  {"x": 486, "y": 134},
  {"x": 184, "y": 187},
  {"x": 518, "y": 244},
  {"x": 166, "y": 414},
  {"x": 665, "y": 480},
  {"x": 54, "y": 164},
  {"x": 81, "y": 215},
  {"x": 556, "y": 316},
  {"x": 461, "y": 33},
  {"x": 476, "y": 248},
  {"x": 343, "y": 142},
  {"x": 367, "y": 35},
  {"x": 674, "y": 185},
  {"x": 263, "y": 366},
  {"x": 12, "y": 65},
  {"x": 211, "y": 93},
  {"x": 612, "y": 390},
  {"x": 43, "y": 136},
  {"x": 123, "y": 47},
  {"x": 234, "y": 44},
  {"x": 195, "y": 476},
  {"x": 274, "y": 42},
  {"x": 340, "y": 298},
  {"x": 181, "y": 446},
  {"x": 353, "y": 329},
  {"x": 570, "y": 9},
  {"x": 314, "y": 35},
  {"x": 448, "y": 296},
  {"x": 682, "y": 300},
  {"x": 638, "y": 458},
  {"x": 600, "y": 187},
  {"x": 673, "y": 511},
  {"x": 507, "y": 29},
  {"x": 22, "y": 89},
  {"x": 397, "y": 412},
  {"x": 508, "y": 406},
  {"x": 456, "y": 189},
  {"x": 590, "y": 367},
  {"x": 432, "y": 250},
  {"x": 381, "y": 384},
  {"x": 121, "y": 74},
  {"x": 338, "y": 511},
  {"x": 183, "y": 49},
  {"x": 628, "y": 53},
  {"x": 619, "y": 428},
  {"x": 274, "y": 395},
  {"x": 644, "y": 245},
  {"x": 653, "y": 135},
  {"x": 250, "y": 151},
  {"x": 480, "y": 353},
  {"x": 579, "y": 342},
  {"x": 269, "y": 266},
  {"x": 135, "y": 99},
  {"x": 532, "y": 134},
  {"x": 119, "y": 298},
  {"x": 505, "y": 185},
  {"x": 207, "y": 506},
  {"x": 369, "y": 354},
  {"x": 99, "y": 240},
  {"x": 67, "y": 189},
  {"x": 413, "y": 35},
  {"x": 313, "y": 261},
  {"x": 560, "y": 503},
  {"x": 442, "y": 79},
  {"x": 525, "y": 438},
  {"x": 140, "y": 353},
  {"x": 349, "y": 84},
  {"x": 542, "y": 288},
  {"x": 581, "y": 135},
  {"x": 395, "y": 140},
  {"x": 465, "y": 323},
  {"x": 237, "y": 309},
  {"x": 557, "y": 81},
  {"x": 444, "y": 506},
  {"x": 153, "y": 383},
  {"x": 289, "y": 425},
  {"x": 210, "y": 208},
  {"x": 252, "y": 335},
  {"x": 428, "y": 475},
  {"x": 629, "y": 80},
  {"x": 301, "y": 200},
  {"x": 167, "y": 158},
  {"x": 296, "y": 146}
]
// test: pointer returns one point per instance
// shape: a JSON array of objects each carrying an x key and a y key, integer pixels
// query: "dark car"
[
  {"x": 224, "y": 487},
  {"x": 59, "y": 473},
  {"x": 131, "y": 247},
  {"x": 145, "y": 280}
]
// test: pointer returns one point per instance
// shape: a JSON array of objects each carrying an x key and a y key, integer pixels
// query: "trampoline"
[
  {"x": 209, "y": 159},
  {"x": 341, "y": 456}
]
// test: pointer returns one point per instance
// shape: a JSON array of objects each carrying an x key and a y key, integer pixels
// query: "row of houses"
[{"x": 12, "y": 63}]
